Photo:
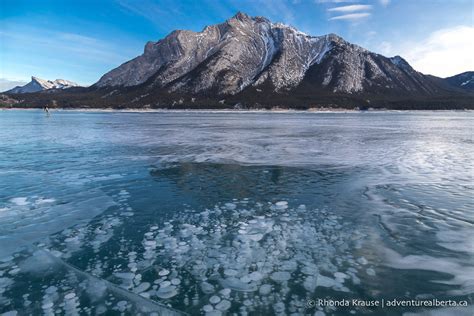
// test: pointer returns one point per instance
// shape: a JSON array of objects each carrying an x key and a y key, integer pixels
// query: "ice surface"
[{"x": 105, "y": 211}]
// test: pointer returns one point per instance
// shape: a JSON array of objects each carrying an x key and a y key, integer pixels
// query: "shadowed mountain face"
[
  {"x": 463, "y": 81},
  {"x": 251, "y": 62}
]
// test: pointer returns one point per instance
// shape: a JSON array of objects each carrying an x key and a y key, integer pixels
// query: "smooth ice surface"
[{"x": 222, "y": 213}]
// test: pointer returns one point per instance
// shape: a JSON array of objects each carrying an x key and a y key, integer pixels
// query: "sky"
[{"x": 82, "y": 40}]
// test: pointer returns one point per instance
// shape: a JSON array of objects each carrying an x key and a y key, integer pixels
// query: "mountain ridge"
[
  {"x": 37, "y": 84},
  {"x": 252, "y": 62}
]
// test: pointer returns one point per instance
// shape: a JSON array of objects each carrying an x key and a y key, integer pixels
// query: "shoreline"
[{"x": 283, "y": 111}]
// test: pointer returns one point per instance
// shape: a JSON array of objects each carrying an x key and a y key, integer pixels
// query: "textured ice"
[
  {"x": 25, "y": 223},
  {"x": 235, "y": 252},
  {"x": 461, "y": 275},
  {"x": 280, "y": 276}
]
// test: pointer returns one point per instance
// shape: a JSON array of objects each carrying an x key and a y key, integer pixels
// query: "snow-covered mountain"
[
  {"x": 37, "y": 84},
  {"x": 245, "y": 52}
]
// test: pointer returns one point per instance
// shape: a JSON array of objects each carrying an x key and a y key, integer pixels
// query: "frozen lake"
[{"x": 246, "y": 213}]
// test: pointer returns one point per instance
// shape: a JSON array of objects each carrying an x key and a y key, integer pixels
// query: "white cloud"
[
  {"x": 351, "y": 8},
  {"x": 351, "y": 17},
  {"x": 443, "y": 53}
]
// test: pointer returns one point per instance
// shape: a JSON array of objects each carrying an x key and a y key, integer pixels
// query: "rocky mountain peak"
[
  {"x": 37, "y": 84},
  {"x": 245, "y": 52}
]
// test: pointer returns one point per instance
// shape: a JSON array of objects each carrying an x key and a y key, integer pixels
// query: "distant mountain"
[
  {"x": 463, "y": 81},
  {"x": 251, "y": 62},
  {"x": 37, "y": 84}
]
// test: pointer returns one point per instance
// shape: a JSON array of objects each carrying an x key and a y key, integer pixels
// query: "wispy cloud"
[
  {"x": 351, "y": 17},
  {"x": 443, "y": 53},
  {"x": 65, "y": 43},
  {"x": 7, "y": 84},
  {"x": 384, "y": 2},
  {"x": 351, "y": 8}
]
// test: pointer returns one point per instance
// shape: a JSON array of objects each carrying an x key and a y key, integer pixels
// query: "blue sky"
[{"x": 81, "y": 40}]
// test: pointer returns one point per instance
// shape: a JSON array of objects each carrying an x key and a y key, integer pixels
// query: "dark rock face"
[{"x": 464, "y": 80}]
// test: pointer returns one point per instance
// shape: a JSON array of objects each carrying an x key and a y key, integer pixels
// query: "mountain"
[
  {"x": 251, "y": 52},
  {"x": 37, "y": 84},
  {"x": 464, "y": 80},
  {"x": 251, "y": 62}
]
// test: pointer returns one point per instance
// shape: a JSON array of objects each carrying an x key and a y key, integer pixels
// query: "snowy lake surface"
[{"x": 224, "y": 213}]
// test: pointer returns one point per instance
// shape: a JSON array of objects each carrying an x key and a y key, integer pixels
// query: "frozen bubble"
[
  {"x": 265, "y": 289},
  {"x": 164, "y": 272},
  {"x": 279, "y": 307},
  {"x": 207, "y": 287},
  {"x": 255, "y": 276},
  {"x": 70, "y": 296},
  {"x": 47, "y": 305},
  {"x": 255, "y": 237},
  {"x": 370, "y": 271},
  {"x": 175, "y": 281},
  {"x": 165, "y": 283},
  {"x": 362, "y": 261},
  {"x": 166, "y": 292},
  {"x": 319, "y": 313},
  {"x": 14, "y": 271},
  {"x": 44, "y": 201},
  {"x": 310, "y": 283},
  {"x": 230, "y": 206},
  {"x": 142, "y": 287},
  {"x": 214, "y": 313},
  {"x": 20, "y": 201},
  {"x": 326, "y": 282},
  {"x": 52, "y": 289},
  {"x": 340, "y": 275},
  {"x": 310, "y": 270},
  {"x": 225, "y": 292},
  {"x": 10, "y": 313},
  {"x": 150, "y": 243},
  {"x": 281, "y": 205},
  {"x": 230, "y": 272},
  {"x": 223, "y": 305},
  {"x": 214, "y": 299},
  {"x": 280, "y": 276},
  {"x": 122, "y": 306},
  {"x": 207, "y": 308}
]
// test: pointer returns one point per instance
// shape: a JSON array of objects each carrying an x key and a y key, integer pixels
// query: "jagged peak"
[
  {"x": 241, "y": 16},
  {"x": 399, "y": 61}
]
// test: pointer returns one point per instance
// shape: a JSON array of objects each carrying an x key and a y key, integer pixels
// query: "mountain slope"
[
  {"x": 464, "y": 80},
  {"x": 37, "y": 84}
]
